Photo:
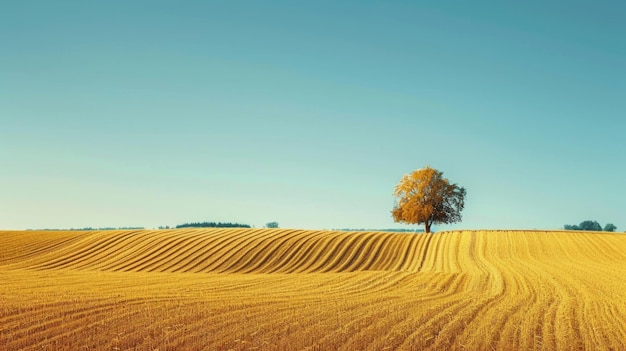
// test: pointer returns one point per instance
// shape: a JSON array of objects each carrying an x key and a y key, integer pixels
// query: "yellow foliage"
[{"x": 426, "y": 197}]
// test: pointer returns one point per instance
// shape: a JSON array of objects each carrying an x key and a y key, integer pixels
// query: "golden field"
[{"x": 279, "y": 289}]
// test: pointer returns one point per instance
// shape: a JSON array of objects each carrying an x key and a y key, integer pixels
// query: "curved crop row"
[
  {"x": 470, "y": 290},
  {"x": 220, "y": 250}
]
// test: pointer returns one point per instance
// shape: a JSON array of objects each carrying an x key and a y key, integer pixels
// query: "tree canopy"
[{"x": 424, "y": 196}]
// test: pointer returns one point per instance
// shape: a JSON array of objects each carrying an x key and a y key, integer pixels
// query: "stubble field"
[{"x": 279, "y": 289}]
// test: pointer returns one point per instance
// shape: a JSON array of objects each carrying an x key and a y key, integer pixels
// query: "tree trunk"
[{"x": 427, "y": 227}]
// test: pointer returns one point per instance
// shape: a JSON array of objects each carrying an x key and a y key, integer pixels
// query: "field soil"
[{"x": 280, "y": 289}]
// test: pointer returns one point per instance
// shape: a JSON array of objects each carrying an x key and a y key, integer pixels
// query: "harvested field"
[{"x": 279, "y": 289}]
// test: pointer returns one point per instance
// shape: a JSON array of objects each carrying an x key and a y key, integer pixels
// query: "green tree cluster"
[
  {"x": 212, "y": 225},
  {"x": 590, "y": 226}
]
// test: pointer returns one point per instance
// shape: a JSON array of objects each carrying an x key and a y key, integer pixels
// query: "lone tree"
[{"x": 424, "y": 196}]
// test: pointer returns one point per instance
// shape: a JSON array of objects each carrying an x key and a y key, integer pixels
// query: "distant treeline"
[
  {"x": 382, "y": 230},
  {"x": 212, "y": 225},
  {"x": 91, "y": 228},
  {"x": 591, "y": 225}
]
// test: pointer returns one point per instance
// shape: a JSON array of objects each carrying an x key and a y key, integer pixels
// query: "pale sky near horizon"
[{"x": 150, "y": 113}]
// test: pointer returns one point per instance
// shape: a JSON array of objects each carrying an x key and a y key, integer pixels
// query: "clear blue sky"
[{"x": 149, "y": 113}]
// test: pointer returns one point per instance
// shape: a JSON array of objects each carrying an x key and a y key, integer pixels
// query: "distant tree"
[
  {"x": 610, "y": 227},
  {"x": 586, "y": 225},
  {"x": 271, "y": 225},
  {"x": 590, "y": 225},
  {"x": 424, "y": 196}
]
